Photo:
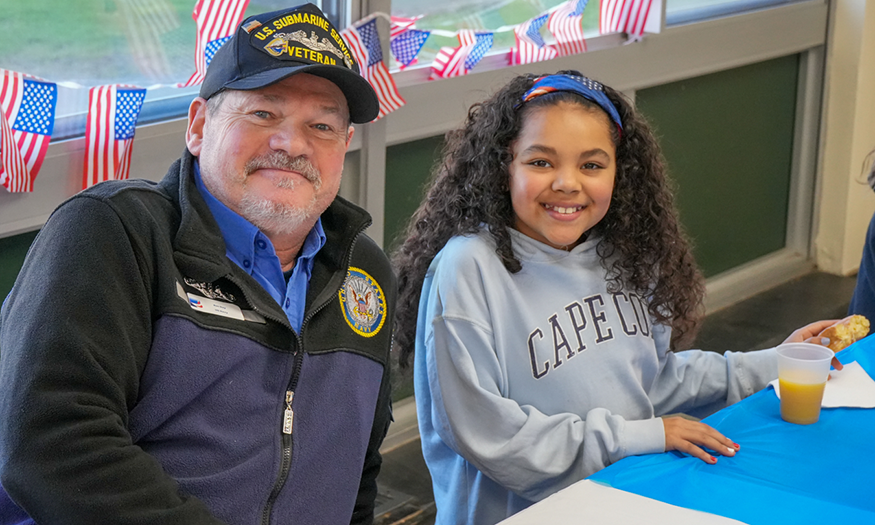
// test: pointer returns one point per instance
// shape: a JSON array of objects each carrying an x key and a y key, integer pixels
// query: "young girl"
[{"x": 542, "y": 280}]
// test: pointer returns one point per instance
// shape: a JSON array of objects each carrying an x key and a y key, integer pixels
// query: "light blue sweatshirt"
[{"x": 528, "y": 382}]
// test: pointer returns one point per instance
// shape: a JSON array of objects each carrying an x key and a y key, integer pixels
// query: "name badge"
[{"x": 211, "y": 306}]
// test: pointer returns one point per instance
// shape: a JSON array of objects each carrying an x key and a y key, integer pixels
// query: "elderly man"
[{"x": 212, "y": 348}]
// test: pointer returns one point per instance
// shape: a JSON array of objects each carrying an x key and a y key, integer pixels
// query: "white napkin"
[{"x": 848, "y": 387}]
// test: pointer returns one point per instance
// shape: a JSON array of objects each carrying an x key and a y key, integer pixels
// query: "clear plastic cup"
[{"x": 803, "y": 369}]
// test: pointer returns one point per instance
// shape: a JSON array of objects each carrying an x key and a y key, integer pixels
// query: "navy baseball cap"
[{"x": 272, "y": 46}]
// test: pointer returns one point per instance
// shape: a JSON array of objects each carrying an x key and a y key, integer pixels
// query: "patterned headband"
[{"x": 588, "y": 89}]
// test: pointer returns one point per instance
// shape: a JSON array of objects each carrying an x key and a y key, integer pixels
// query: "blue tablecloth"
[{"x": 784, "y": 473}]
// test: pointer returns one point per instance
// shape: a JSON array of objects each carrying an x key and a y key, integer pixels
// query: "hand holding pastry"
[{"x": 844, "y": 333}]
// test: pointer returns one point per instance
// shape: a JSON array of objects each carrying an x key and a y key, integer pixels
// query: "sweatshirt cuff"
[
  {"x": 753, "y": 370},
  {"x": 645, "y": 436}
]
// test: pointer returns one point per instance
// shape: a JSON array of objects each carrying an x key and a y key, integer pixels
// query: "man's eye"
[
  {"x": 261, "y": 114},
  {"x": 323, "y": 127}
]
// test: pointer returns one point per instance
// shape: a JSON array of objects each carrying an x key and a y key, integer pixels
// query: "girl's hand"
[
  {"x": 808, "y": 334},
  {"x": 804, "y": 334},
  {"x": 693, "y": 437}
]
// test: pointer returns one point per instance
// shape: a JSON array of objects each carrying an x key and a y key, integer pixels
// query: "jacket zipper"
[
  {"x": 287, "y": 438},
  {"x": 288, "y": 413}
]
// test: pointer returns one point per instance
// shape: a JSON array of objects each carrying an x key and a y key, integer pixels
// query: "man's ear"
[
  {"x": 194, "y": 133},
  {"x": 349, "y": 133}
]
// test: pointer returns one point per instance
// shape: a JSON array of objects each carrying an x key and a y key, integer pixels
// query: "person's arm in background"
[
  {"x": 75, "y": 334},
  {"x": 863, "y": 300}
]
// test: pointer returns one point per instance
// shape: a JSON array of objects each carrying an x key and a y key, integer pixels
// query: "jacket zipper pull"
[{"x": 288, "y": 415}]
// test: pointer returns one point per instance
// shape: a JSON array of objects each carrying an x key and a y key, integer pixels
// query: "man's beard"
[{"x": 275, "y": 217}]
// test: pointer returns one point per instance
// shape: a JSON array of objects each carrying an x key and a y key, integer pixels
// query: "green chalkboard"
[{"x": 728, "y": 140}]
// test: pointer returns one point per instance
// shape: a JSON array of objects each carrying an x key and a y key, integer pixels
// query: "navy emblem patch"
[{"x": 363, "y": 303}]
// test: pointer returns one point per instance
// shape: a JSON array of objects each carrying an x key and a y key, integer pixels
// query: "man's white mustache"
[{"x": 283, "y": 161}]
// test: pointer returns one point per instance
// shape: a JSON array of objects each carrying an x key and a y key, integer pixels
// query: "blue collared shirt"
[{"x": 251, "y": 250}]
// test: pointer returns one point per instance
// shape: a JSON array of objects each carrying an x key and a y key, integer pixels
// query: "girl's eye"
[
  {"x": 539, "y": 163},
  {"x": 591, "y": 166}
]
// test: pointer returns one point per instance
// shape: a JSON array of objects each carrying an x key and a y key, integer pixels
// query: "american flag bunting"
[
  {"x": 216, "y": 22},
  {"x": 109, "y": 132},
  {"x": 566, "y": 24},
  {"x": 405, "y": 41},
  {"x": 530, "y": 46},
  {"x": 457, "y": 61},
  {"x": 400, "y": 24},
  {"x": 406, "y": 46},
  {"x": 364, "y": 41},
  {"x": 624, "y": 16},
  {"x": 26, "y": 123}
]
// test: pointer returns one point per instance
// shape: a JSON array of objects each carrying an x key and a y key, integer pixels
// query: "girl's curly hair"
[{"x": 642, "y": 246}]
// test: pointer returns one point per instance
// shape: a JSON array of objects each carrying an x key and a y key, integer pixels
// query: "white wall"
[{"x": 845, "y": 206}]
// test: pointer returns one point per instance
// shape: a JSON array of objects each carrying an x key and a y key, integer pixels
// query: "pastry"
[{"x": 844, "y": 333}]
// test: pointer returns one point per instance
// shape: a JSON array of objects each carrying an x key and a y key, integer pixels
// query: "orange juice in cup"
[
  {"x": 800, "y": 403},
  {"x": 802, "y": 372}
]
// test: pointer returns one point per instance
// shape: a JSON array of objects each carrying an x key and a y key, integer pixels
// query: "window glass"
[
  {"x": 486, "y": 15},
  {"x": 94, "y": 42},
  {"x": 685, "y": 11}
]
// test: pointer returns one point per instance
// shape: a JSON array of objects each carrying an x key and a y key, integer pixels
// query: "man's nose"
[{"x": 292, "y": 140}]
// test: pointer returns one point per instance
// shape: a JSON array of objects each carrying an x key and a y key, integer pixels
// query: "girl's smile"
[
  {"x": 563, "y": 210},
  {"x": 562, "y": 174}
]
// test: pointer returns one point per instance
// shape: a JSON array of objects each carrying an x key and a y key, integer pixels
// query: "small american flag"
[
  {"x": 530, "y": 46},
  {"x": 406, "y": 46},
  {"x": 457, "y": 61},
  {"x": 400, "y": 24},
  {"x": 566, "y": 24},
  {"x": 26, "y": 123},
  {"x": 624, "y": 16},
  {"x": 216, "y": 22},
  {"x": 364, "y": 41},
  {"x": 109, "y": 132}
]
